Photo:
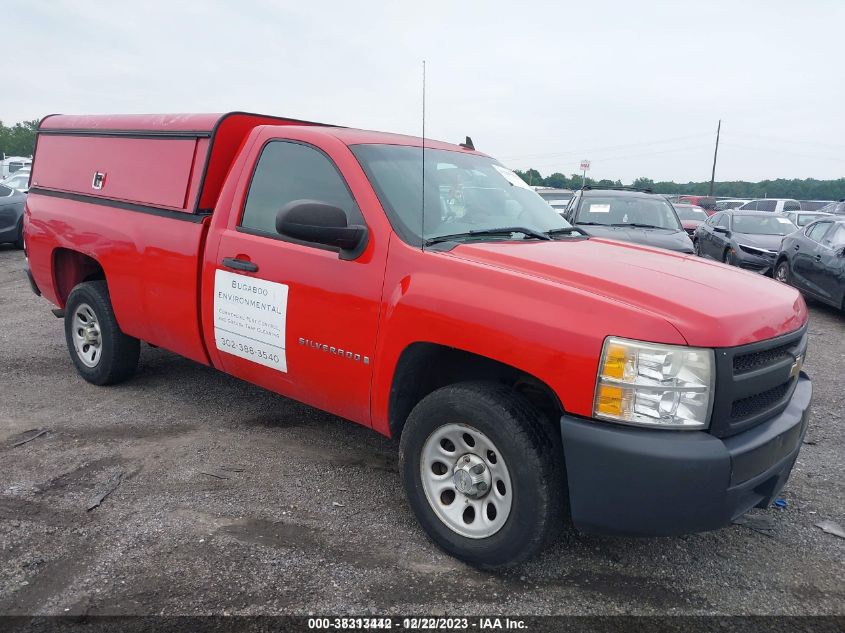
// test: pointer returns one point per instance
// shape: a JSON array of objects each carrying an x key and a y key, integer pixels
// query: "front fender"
[{"x": 551, "y": 332}]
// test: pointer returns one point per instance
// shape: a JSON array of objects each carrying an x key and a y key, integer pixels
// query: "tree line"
[
  {"x": 806, "y": 189},
  {"x": 18, "y": 139}
]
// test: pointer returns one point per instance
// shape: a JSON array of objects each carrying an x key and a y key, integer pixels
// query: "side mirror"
[
  {"x": 721, "y": 229},
  {"x": 321, "y": 223}
]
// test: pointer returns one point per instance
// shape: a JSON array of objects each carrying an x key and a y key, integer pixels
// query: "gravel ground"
[{"x": 234, "y": 500}]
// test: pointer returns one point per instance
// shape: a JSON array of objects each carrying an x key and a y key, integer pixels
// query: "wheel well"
[
  {"x": 71, "y": 268},
  {"x": 426, "y": 367}
]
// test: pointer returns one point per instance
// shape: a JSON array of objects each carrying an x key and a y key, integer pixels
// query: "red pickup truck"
[{"x": 423, "y": 290}]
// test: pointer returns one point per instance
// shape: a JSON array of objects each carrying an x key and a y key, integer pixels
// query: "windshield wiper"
[
  {"x": 579, "y": 223},
  {"x": 504, "y": 230},
  {"x": 637, "y": 225},
  {"x": 569, "y": 230}
]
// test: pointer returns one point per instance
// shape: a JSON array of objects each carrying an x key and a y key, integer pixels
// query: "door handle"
[
  {"x": 240, "y": 264},
  {"x": 818, "y": 258},
  {"x": 796, "y": 247}
]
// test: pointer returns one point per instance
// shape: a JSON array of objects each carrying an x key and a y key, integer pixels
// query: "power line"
[
  {"x": 782, "y": 151},
  {"x": 608, "y": 147},
  {"x": 789, "y": 141},
  {"x": 622, "y": 157}
]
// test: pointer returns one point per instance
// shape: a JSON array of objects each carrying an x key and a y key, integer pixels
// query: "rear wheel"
[
  {"x": 102, "y": 353},
  {"x": 483, "y": 472},
  {"x": 782, "y": 272}
]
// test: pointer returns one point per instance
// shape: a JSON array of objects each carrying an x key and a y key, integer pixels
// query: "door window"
[
  {"x": 835, "y": 238},
  {"x": 791, "y": 205},
  {"x": 724, "y": 221},
  {"x": 289, "y": 171},
  {"x": 817, "y": 231},
  {"x": 767, "y": 205}
]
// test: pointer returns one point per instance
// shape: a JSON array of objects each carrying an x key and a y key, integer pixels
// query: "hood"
[
  {"x": 673, "y": 240},
  {"x": 691, "y": 225},
  {"x": 769, "y": 242},
  {"x": 710, "y": 304}
]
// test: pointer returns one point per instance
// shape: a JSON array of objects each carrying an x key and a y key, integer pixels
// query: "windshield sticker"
[
  {"x": 599, "y": 208},
  {"x": 784, "y": 220},
  {"x": 511, "y": 177},
  {"x": 250, "y": 317}
]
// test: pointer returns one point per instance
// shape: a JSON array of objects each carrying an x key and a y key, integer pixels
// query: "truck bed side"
[{"x": 150, "y": 262}]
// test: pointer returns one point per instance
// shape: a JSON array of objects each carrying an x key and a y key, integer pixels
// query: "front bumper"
[
  {"x": 644, "y": 482},
  {"x": 755, "y": 263}
]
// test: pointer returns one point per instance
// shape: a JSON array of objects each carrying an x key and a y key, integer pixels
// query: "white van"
[{"x": 775, "y": 205}]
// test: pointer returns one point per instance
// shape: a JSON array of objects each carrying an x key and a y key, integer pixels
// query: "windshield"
[
  {"x": 691, "y": 213},
  {"x": 763, "y": 225},
  {"x": 463, "y": 193},
  {"x": 622, "y": 210}
]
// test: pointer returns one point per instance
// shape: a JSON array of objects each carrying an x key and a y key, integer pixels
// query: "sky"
[{"x": 635, "y": 87}]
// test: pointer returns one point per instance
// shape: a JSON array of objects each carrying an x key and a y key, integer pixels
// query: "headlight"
[
  {"x": 759, "y": 252},
  {"x": 654, "y": 385}
]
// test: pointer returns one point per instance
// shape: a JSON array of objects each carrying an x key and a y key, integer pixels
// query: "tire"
[
  {"x": 696, "y": 247},
  {"x": 101, "y": 352},
  {"x": 525, "y": 473},
  {"x": 727, "y": 258},
  {"x": 782, "y": 272}
]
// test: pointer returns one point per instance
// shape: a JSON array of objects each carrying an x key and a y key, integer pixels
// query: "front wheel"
[
  {"x": 729, "y": 257},
  {"x": 483, "y": 472},
  {"x": 782, "y": 272},
  {"x": 696, "y": 247},
  {"x": 102, "y": 353}
]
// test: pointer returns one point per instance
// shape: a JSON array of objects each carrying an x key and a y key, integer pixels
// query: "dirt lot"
[{"x": 239, "y": 501}]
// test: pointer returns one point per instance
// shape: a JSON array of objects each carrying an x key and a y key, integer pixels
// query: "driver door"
[{"x": 289, "y": 315}]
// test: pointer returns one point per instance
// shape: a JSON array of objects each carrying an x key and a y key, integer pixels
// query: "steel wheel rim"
[
  {"x": 87, "y": 337},
  {"x": 478, "y": 513}
]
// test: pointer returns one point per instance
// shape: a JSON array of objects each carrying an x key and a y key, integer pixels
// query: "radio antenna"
[{"x": 422, "y": 213}]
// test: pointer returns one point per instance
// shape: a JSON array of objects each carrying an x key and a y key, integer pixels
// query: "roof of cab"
[{"x": 353, "y": 136}]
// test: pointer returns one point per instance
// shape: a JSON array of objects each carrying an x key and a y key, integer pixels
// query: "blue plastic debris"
[{"x": 781, "y": 503}]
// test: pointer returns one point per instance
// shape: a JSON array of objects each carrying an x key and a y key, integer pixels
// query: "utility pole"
[{"x": 715, "y": 154}]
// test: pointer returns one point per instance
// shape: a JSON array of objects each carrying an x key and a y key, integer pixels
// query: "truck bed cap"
[{"x": 174, "y": 162}]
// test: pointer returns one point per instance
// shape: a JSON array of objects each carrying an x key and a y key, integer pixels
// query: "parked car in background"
[
  {"x": 705, "y": 202},
  {"x": 835, "y": 208},
  {"x": 813, "y": 260},
  {"x": 19, "y": 181},
  {"x": 724, "y": 205},
  {"x": 772, "y": 205},
  {"x": 748, "y": 239},
  {"x": 813, "y": 205},
  {"x": 558, "y": 199},
  {"x": 11, "y": 164},
  {"x": 691, "y": 217},
  {"x": 11, "y": 216},
  {"x": 629, "y": 215},
  {"x": 803, "y": 218}
]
